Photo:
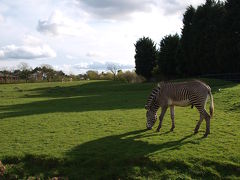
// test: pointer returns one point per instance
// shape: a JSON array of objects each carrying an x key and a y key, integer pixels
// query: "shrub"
[
  {"x": 107, "y": 76},
  {"x": 92, "y": 75},
  {"x": 130, "y": 77}
]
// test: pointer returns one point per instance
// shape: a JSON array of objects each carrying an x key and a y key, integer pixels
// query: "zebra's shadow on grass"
[{"x": 118, "y": 156}]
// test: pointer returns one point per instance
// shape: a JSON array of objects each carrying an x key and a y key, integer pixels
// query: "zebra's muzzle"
[{"x": 149, "y": 128}]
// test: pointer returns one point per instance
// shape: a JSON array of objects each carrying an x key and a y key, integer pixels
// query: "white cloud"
[
  {"x": 26, "y": 52},
  {"x": 115, "y": 9},
  {"x": 70, "y": 57},
  {"x": 94, "y": 65},
  {"x": 1, "y": 19},
  {"x": 107, "y": 9},
  {"x": 66, "y": 68},
  {"x": 3, "y": 7},
  {"x": 31, "y": 40},
  {"x": 58, "y": 24},
  {"x": 92, "y": 54},
  {"x": 32, "y": 48},
  {"x": 171, "y": 7}
]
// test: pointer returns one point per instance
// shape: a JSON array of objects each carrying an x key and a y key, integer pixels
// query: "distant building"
[
  {"x": 8, "y": 78},
  {"x": 38, "y": 76}
]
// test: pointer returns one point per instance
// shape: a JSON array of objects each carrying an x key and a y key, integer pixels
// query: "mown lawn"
[{"x": 96, "y": 130}]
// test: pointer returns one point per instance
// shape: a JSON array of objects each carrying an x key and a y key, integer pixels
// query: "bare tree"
[
  {"x": 25, "y": 70},
  {"x": 113, "y": 68},
  {"x": 23, "y": 66}
]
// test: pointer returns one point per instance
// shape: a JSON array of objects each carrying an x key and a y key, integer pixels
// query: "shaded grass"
[
  {"x": 106, "y": 163},
  {"x": 95, "y": 130}
]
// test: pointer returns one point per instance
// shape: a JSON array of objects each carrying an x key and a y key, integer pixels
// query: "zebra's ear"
[{"x": 146, "y": 107}]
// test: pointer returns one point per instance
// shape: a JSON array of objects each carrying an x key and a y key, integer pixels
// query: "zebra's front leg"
[
  {"x": 164, "y": 109},
  {"x": 172, "y": 117}
]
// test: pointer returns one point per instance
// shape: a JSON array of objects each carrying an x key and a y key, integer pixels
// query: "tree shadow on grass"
[
  {"x": 89, "y": 88},
  {"x": 217, "y": 84},
  {"x": 100, "y": 87},
  {"x": 92, "y": 96},
  {"x": 72, "y": 104},
  {"x": 84, "y": 97},
  {"x": 122, "y": 156}
]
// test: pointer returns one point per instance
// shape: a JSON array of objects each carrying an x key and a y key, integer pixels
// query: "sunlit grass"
[{"x": 96, "y": 129}]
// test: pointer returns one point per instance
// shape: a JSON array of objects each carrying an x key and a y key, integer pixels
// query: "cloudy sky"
[{"x": 77, "y": 35}]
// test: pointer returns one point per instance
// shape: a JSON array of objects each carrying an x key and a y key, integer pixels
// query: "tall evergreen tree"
[
  {"x": 201, "y": 36},
  {"x": 232, "y": 26},
  {"x": 145, "y": 57},
  {"x": 167, "y": 60},
  {"x": 187, "y": 36}
]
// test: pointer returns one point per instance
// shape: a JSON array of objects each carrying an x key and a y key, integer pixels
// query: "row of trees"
[
  {"x": 119, "y": 75},
  {"x": 26, "y": 73},
  {"x": 45, "y": 72},
  {"x": 209, "y": 43}
]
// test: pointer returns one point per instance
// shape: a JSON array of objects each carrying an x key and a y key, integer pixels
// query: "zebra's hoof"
[
  {"x": 171, "y": 129},
  {"x": 157, "y": 130},
  {"x": 195, "y": 132},
  {"x": 205, "y": 135}
]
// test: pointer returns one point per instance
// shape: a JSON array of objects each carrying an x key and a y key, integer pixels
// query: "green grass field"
[{"x": 96, "y": 130}]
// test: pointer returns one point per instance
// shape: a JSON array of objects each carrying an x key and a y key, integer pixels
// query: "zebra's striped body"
[{"x": 172, "y": 94}]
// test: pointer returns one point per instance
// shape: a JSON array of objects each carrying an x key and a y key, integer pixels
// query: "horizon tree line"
[{"x": 46, "y": 73}]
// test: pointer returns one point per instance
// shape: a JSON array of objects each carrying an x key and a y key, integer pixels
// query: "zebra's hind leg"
[
  {"x": 207, "y": 119},
  {"x": 172, "y": 117},
  {"x": 206, "y": 116},
  {"x": 198, "y": 124},
  {"x": 164, "y": 109}
]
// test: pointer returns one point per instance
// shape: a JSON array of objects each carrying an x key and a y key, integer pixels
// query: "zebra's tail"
[{"x": 211, "y": 109}]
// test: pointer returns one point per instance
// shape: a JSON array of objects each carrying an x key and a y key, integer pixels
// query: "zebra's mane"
[
  {"x": 152, "y": 97},
  {"x": 160, "y": 84}
]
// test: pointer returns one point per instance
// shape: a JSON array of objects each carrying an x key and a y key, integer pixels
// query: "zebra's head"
[
  {"x": 152, "y": 107},
  {"x": 151, "y": 119}
]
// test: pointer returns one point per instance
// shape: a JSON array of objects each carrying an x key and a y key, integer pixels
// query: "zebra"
[{"x": 170, "y": 94}]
